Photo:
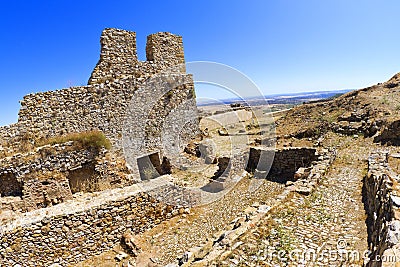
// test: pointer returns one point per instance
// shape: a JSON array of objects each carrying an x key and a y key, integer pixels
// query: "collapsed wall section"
[{"x": 51, "y": 174}]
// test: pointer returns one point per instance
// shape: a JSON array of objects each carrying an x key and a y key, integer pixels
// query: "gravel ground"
[
  {"x": 329, "y": 223},
  {"x": 331, "y": 220},
  {"x": 175, "y": 237}
]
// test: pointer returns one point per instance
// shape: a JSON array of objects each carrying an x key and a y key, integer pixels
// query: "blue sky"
[{"x": 283, "y": 46}]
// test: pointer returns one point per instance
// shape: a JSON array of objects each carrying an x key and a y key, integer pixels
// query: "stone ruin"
[
  {"x": 112, "y": 101},
  {"x": 144, "y": 118},
  {"x": 35, "y": 177},
  {"x": 381, "y": 196},
  {"x": 300, "y": 168}
]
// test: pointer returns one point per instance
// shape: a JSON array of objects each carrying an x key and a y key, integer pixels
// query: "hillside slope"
[{"x": 373, "y": 112}]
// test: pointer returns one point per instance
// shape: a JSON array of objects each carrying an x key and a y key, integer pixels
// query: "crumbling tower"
[{"x": 108, "y": 101}]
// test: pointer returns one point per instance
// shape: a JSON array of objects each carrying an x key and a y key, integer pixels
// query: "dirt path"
[{"x": 330, "y": 219}]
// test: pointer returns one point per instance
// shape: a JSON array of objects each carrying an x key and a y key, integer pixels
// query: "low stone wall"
[
  {"x": 282, "y": 162},
  {"x": 59, "y": 157},
  {"x": 389, "y": 134},
  {"x": 306, "y": 179},
  {"x": 44, "y": 177},
  {"x": 382, "y": 202},
  {"x": 76, "y": 230}
]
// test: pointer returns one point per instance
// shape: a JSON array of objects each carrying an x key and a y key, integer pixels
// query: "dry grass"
[
  {"x": 28, "y": 142},
  {"x": 94, "y": 139}
]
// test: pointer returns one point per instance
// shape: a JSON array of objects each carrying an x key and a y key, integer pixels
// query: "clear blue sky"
[{"x": 284, "y": 46}]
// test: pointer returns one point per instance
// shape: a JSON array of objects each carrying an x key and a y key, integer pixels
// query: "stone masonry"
[
  {"x": 112, "y": 90},
  {"x": 124, "y": 101},
  {"x": 283, "y": 162},
  {"x": 76, "y": 230},
  {"x": 382, "y": 201},
  {"x": 50, "y": 175}
]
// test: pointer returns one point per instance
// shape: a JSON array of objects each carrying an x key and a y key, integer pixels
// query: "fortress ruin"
[
  {"x": 64, "y": 202},
  {"x": 105, "y": 105}
]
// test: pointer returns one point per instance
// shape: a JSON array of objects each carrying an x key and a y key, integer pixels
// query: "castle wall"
[
  {"x": 77, "y": 109},
  {"x": 118, "y": 96}
]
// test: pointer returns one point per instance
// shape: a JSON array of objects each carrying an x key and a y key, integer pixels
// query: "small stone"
[
  {"x": 263, "y": 208},
  {"x": 222, "y": 132},
  {"x": 121, "y": 256}
]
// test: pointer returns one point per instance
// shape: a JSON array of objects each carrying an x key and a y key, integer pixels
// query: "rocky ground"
[{"x": 326, "y": 228}]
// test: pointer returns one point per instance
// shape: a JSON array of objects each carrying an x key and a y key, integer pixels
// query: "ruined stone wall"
[
  {"x": 74, "y": 231},
  {"x": 11, "y": 137},
  {"x": 298, "y": 167},
  {"x": 389, "y": 133},
  {"x": 382, "y": 201},
  {"x": 118, "y": 57},
  {"x": 286, "y": 161},
  {"x": 113, "y": 92},
  {"x": 93, "y": 107},
  {"x": 42, "y": 177}
]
